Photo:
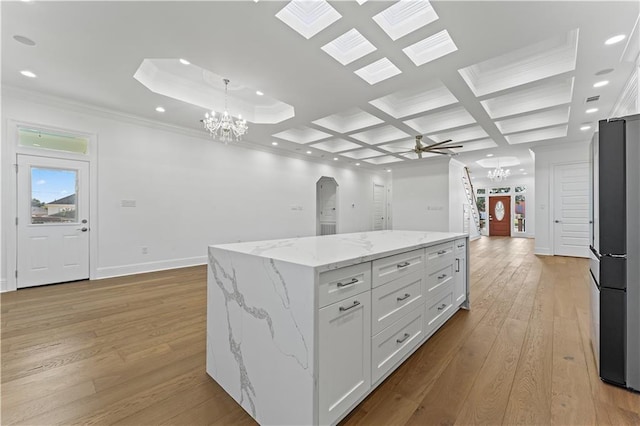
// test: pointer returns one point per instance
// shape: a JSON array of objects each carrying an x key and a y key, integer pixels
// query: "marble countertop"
[{"x": 335, "y": 251}]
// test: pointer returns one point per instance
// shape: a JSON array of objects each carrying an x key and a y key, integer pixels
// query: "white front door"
[
  {"x": 52, "y": 220},
  {"x": 571, "y": 210},
  {"x": 379, "y": 214}
]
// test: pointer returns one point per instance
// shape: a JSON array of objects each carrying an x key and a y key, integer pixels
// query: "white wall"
[
  {"x": 547, "y": 157},
  {"x": 190, "y": 191},
  {"x": 421, "y": 197}
]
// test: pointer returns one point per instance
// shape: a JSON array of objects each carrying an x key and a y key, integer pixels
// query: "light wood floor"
[{"x": 132, "y": 351}]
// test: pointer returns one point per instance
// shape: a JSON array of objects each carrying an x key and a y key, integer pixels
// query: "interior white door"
[
  {"x": 52, "y": 220},
  {"x": 379, "y": 203},
  {"x": 571, "y": 210},
  {"x": 327, "y": 206}
]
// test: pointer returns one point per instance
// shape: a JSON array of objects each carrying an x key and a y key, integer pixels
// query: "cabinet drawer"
[
  {"x": 390, "y": 268},
  {"x": 437, "y": 311},
  {"x": 460, "y": 246},
  {"x": 394, "y": 342},
  {"x": 395, "y": 299},
  {"x": 342, "y": 283},
  {"x": 438, "y": 254},
  {"x": 438, "y": 279}
]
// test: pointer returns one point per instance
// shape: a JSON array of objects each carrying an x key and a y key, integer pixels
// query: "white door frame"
[
  {"x": 10, "y": 179},
  {"x": 552, "y": 202},
  {"x": 385, "y": 212},
  {"x": 318, "y": 203}
]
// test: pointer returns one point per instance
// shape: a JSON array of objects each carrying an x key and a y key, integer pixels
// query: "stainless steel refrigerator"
[{"x": 615, "y": 250}]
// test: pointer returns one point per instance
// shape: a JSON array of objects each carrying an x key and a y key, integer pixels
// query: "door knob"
[
  {"x": 557, "y": 221},
  {"x": 83, "y": 229}
]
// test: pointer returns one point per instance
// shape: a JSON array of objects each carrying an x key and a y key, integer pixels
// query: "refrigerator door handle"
[{"x": 616, "y": 256}]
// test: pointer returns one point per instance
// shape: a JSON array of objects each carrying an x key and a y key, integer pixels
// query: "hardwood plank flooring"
[{"x": 131, "y": 351}]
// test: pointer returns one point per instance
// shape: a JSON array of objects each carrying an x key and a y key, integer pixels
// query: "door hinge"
[
  {"x": 16, "y": 221},
  {"x": 16, "y": 273},
  {"x": 16, "y": 167}
]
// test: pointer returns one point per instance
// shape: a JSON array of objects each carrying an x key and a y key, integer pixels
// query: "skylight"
[
  {"x": 431, "y": 48},
  {"x": 378, "y": 71},
  {"x": 404, "y": 17},
  {"x": 308, "y": 17},
  {"x": 348, "y": 47}
]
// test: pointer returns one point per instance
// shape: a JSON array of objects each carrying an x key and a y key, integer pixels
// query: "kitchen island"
[{"x": 299, "y": 331}]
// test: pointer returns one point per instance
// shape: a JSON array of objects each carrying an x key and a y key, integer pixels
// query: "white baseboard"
[
  {"x": 542, "y": 251},
  {"x": 3, "y": 285},
  {"x": 475, "y": 237},
  {"x": 139, "y": 268}
]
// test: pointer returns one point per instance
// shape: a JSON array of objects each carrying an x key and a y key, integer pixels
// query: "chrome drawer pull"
[
  {"x": 406, "y": 296},
  {"x": 439, "y": 307},
  {"x": 403, "y": 264},
  {"x": 355, "y": 303},
  {"x": 353, "y": 281},
  {"x": 457, "y": 265},
  {"x": 405, "y": 337},
  {"x": 442, "y": 276},
  {"x": 461, "y": 245},
  {"x": 442, "y": 252}
]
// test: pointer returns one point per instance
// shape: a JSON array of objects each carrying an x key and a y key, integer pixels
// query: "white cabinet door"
[
  {"x": 344, "y": 355},
  {"x": 460, "y": 291}
]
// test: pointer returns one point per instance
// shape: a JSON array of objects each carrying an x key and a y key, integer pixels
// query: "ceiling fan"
[{"x": 434, "y": 148}]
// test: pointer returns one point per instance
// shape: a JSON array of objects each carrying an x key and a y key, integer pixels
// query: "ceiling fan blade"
[
  {"x": 438, "y": 143},
  {"x": 438, "y": 152},
  {"x": 443, "y": 147}
]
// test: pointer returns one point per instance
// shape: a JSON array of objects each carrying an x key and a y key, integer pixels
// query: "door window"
[
  {"x": 499, "y": 210},
  {"x": 53, "y": 195}
]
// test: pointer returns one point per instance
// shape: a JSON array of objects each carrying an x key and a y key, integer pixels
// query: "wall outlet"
[
  {"x": 127, "y": 203},
  {"x": 145, "y": 250}
]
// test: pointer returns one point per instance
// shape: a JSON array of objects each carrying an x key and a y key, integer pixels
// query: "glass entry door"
[{"x": 52, "y": 220}]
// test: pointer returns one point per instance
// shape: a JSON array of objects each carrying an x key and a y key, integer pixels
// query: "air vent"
[{"x": 593, "y": 98}]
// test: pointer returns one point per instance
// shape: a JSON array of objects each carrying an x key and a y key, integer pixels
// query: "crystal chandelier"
[
  {"x": 498, "y": 174},
  {"x": 224, "y": 126}
]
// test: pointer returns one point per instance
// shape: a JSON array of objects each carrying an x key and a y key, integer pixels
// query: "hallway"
[{"x": 131, "y": 350}]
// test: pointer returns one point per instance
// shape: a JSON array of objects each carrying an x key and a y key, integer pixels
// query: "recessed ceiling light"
[
  {"x": 489, "y": 155},
  {"x": 259, "y": 93},
  {"x": 184, "y": 62},
  {"x": 522, "y": 170},
  {"x": 585, "y": 128},
  {"x": 601, "y": 83},
  {"x": 308, "y": 152},
  {"x": 274, "y": 143},
  {"x": 335, "y": 158},
  {"x": 357, "y": 164},
  {"x": 591, "y": 110},
  {"x": 160, "y": 109},
  {"x": 524, "y": 173},
  {"x": 615, "y": 39},
  {"x": 24, "y": 40},
  {"x": 28, "y": 73},
  {"x": 388, "y": 170}
]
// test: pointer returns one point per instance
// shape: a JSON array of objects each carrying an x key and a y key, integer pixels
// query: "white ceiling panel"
[
  {"x": 380, "y": 135},
  {"x": 476, "y": 145},
  {"x": 461, "y": 135},
  {"x": 448, "y": 119},
  {"x": 404, "y": 17},
  {"x": 546, "y": 58},
  {"x": 536, "y": 120},
  {"x": 362, "y": 153},
  {"x": 378, "y": 71},
  {"x": 414, "y": 156},
  {"x": 308, "y": 17},
  {"x": 383, "y": 160},
  {"x": 540, "y": 96},
  {"x": 335, "y": 145},
  {"x": 415, "y": 101},
  {"x": 348, "y": 121},
  {"x": 537, "y": 135},
  {"x": 302, "y": 135},
  {"x": 397, "y": 147}
]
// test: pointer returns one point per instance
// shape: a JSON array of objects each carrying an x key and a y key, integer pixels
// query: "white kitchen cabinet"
[
  {"x": 300, "y": 331},
  {"x": 344, "y": 355},
  {"x": 461, "y": 272}
]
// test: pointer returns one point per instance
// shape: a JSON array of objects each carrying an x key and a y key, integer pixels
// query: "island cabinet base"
[{"x": 303, "y": 342}]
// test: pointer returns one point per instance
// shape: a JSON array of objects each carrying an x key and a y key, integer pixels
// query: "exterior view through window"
[{"x": 53, "y": 195}]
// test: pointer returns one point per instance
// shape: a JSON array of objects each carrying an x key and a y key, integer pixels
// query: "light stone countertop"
[{"x": 336, "y": 251}]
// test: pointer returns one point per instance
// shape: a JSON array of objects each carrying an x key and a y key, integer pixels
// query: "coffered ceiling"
[{"x": 361, "y": 78}]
